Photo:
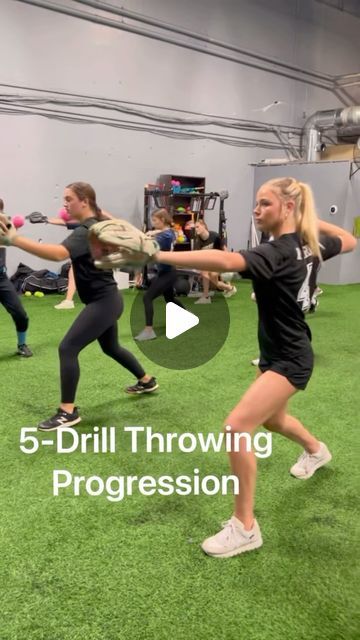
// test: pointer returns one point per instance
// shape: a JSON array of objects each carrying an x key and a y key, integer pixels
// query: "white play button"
[
  {"x": 209, "y": 326},
  {"x": 178, "y": 320}
]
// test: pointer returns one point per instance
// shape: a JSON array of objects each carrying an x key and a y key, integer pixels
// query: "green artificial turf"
[{"x": 83, "y": 568}]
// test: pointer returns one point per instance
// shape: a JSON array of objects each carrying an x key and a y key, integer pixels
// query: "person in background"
[
  {"x": 163, "y": 283},
  {"x": 68, "y": 302},
  {"x": 205, "y": 239},
  {"x": 11, "y": 302}
]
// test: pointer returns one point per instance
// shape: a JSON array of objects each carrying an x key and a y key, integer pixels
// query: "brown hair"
[
  {"x": 203, "y": 223},
  {"x": 163, "y": 215},
  {"x": 1, "y": 205},
  {"x": 305, "y": 212},
  {"x": 85, "y": 191}
]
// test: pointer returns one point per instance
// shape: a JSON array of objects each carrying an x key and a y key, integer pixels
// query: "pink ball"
[
  {"x": 64, "y": 215},
  {"x": 18, "y": 221}
]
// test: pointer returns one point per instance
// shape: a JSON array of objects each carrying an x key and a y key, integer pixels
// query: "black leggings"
[
  {"x": 10, "y": 299},
  {"x": 163, "y": 284},
  {"x": 97, "y": 321}
]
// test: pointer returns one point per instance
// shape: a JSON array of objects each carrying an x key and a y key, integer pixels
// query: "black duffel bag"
[{"x": 45, "y": 281}]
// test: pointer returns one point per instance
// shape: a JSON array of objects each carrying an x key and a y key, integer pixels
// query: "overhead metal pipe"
[
  {"x": 138, "y": 17},
  {"x": 338, "y": 119},
  {"x": 108, "y": 22}
]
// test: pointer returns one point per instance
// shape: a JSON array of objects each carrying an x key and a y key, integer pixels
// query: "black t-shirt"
[
  {"x": 92, "y": 283},
  {"x": 212, "y": 242},
  {"x": 280, "y": 271}
]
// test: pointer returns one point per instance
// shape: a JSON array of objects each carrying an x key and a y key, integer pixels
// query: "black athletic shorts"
[{"x": 298, "y": 370}]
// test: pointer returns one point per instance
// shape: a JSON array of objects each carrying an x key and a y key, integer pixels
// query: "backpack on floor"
[
  {"x": 45, "y": 281},
  {"x": 19, "y": 276}
]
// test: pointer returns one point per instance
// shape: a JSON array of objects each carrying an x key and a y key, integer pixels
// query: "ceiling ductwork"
[
  {"x": 345, "y": 123},
  {"x": 348, "y": 135}
]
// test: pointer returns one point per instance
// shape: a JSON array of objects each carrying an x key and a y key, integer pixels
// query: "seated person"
[{"x": 205, "y": 239}]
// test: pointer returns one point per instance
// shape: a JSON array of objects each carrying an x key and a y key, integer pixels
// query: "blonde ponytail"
[
  {"x": 307, "y": 220},
  {"x": 305, "y": 212}
]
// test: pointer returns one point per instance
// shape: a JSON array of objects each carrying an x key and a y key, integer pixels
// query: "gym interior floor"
[{"x": 133, "y": 570}]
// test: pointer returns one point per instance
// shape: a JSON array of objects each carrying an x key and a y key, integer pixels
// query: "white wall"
[{"x": 50, "y": 51}]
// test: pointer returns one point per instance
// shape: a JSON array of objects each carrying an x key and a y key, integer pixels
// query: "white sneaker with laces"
[
  {"x": 203, "y": 300},
  {"x": 233, "y": 539},
  {"x": 231, "y": 292},
  {"x": 255, "y": 362},
  {"x": 308, "y": 463},
  {"x": 65, "y": 304}
]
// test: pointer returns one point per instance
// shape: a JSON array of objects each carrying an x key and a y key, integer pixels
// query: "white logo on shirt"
[
  {"x": 304, "y": 292},
  {"x": 304, "y": 253}
]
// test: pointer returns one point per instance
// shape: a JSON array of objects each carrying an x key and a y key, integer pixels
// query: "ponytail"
[
  {"x": 305, "y": 212},
  {"x": 98, "y": 213},
  {"x": 307, "y": 220}
]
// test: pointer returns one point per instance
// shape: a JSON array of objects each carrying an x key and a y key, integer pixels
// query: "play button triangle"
[{"x": 178, "y": 320}]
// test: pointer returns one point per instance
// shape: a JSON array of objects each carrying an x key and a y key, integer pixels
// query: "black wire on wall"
[{"x": 70, "y": 108}]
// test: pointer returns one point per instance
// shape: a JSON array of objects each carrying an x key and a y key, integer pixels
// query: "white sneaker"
[
  {"x": 203, "y": 300},
  {"x": 65, "y": 304},
  {"x": 232, "y": 540},
  {"x": 253, "y": 296},
  {"x": 231, "y": 292},
  {"x": 308, "y": 463},
  {"x": 146, "y": 335},
  {"x": 255, "y": 362}
]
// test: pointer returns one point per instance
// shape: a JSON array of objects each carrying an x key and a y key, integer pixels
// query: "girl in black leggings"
[
  {"x": 103, "y": 306},
  {"x": 11, "y": 302},
  {"x": 163, "y": 283}
]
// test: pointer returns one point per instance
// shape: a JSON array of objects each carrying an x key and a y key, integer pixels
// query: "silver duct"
[{"x": 342, "y": 120}]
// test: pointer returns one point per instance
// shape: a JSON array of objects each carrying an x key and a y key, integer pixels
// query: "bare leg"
[
  {"x": 71, "y": 285},
  {"x": 266, "y": 397},
  {"x": 218, "y": 284},
  {"x": 206, "y": 283},
  {"x": 292, "y": 428},
  {"x": 138, "y": 278},
  {"x": 67, "y": 302}
]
